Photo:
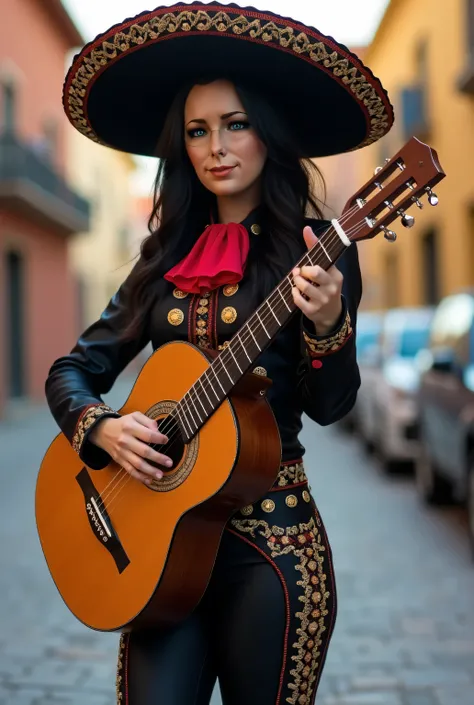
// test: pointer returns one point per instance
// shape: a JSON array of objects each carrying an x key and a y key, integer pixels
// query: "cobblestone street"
[{"x": 405, "y": 631}]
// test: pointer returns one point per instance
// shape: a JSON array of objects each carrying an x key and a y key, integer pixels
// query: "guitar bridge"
[{"x": 99, "y": 521}]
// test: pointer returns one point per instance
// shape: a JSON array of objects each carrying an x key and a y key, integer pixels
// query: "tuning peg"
[
  {"x": 377, "y": 169},
  {"x": 433, "y": 199},
  {"x": 389, "y": 234},
  {"x": 417, "y": 202},
  {"x": 408, "y": 221}
]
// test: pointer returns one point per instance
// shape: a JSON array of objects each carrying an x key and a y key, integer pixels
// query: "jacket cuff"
[
  {"x": 320, "y": 346},
  {"x": 92, "y": 455}
]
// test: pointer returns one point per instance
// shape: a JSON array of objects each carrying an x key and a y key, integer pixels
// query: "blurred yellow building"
[
  {"x": 423, "y": 52},
  {"x": 101, "y": 258}
]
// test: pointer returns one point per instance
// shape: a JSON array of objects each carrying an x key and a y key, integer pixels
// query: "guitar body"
[{"x": 151, "y": 567}]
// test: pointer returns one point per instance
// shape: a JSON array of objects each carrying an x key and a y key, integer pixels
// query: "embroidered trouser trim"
[{"x": 264, "y": 625}]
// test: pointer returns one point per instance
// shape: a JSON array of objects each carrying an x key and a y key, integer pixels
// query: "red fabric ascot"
[{"x": 218, "y": 257}]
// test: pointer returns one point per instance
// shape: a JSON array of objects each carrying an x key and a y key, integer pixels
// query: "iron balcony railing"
[{"x": 29, "y": 179}]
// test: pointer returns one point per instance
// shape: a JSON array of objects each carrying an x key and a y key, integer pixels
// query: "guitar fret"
[
  {"x": 235, "y": 360},
  {"x": 243, "y": 347},
  {"x": 228, "y": 374},
  {"x": 254, "y": 338},
  {"x": 204, "y": 390},
  {"x": 284, "y": 300},
  {"x": 260, "y": 321},
  {"x": 193, "y": 403},
  {"x": 273, "y": 312}
]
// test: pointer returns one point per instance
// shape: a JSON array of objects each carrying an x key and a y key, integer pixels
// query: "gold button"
[
  {"x": 306, "y": 496},
  {"x": 201, "y": 324},
  {"x": 268, "y": 505},
  {"x": 291, "y": 501},
  {"x": 247, "y": 511},
  {"x": 178, "y": 294},
  {"x": 256, "y": 229},
  {"x": 203, "y": 302},
  {"x": 229, "y": 314},
  {"x": 175, "y": 316},
  {"x": 202, "y": 309},
  {"x": 260, "y": 371},
  {"x": 230, "y": 289}
]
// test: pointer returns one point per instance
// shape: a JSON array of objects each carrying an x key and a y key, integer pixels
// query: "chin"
[{"x": 225, "y": 188}]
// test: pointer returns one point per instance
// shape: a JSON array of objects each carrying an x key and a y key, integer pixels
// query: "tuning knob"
[
  {"x": 417, "y": 202},
  {"x": 408, "y": 221},
  {"x": 389, "y": 234},
  {"x": 433, "y": 199}
]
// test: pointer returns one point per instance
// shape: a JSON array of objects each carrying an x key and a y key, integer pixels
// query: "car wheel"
[
  {"x": 470, "y": 502},
  {"x": 431, "y": 487}
]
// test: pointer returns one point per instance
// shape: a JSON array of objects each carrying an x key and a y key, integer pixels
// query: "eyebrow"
[{"x": 201, "y": 121}]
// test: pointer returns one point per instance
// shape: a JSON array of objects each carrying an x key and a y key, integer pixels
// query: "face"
[{"x": 223, "y": 147}]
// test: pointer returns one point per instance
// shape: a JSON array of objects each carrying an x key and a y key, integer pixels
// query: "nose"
[{"x": 217, "y": 145}]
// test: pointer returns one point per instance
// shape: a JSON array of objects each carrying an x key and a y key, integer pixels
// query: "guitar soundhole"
[
  {"x": 182, "y": 454},
  {"x": 175, "y": 448}
]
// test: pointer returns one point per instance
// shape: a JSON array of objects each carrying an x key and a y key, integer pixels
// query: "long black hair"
[{"x": 182, "y": 205}]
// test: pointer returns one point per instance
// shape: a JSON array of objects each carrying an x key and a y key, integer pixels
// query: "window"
[{"x": 414, "y": 98}]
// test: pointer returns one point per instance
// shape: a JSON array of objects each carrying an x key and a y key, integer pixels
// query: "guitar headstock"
[{"x": 396, "y": 187}]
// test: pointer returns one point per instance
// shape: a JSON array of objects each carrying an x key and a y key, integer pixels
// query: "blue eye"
[
  {"x": 197, "y": 132},
  {"x": 238, "y": 125}
]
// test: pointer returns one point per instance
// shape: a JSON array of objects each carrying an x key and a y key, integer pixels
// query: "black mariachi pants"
[{"x": 264, "y": 624}]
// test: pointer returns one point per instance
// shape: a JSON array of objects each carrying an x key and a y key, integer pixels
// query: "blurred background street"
[
  {"x": 405, "y": 630},
  {"x": 394, "y": 480}
]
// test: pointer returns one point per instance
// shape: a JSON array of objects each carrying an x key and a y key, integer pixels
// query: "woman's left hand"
[{"x": 323, "y": 305}]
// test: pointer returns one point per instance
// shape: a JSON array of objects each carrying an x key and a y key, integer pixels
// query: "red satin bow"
[{"x": 218, "y": 257}]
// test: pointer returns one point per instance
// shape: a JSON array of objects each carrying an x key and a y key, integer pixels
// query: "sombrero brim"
[{"x": 121, "y": 85}]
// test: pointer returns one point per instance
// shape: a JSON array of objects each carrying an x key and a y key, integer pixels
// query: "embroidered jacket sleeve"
[
  {"x": 76, "y": 382},
  {"x": 329, "y": 373}
]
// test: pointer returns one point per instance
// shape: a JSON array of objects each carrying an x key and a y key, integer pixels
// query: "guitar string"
[
  {"x": 117, "y": 482},
  {"x": 174, "y": 421},
  {"x": 119, "y": 477}
]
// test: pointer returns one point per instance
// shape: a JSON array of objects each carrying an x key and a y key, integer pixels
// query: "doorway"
[{"x": 15, "y": 343}]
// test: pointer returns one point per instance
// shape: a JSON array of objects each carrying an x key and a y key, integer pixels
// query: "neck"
[{"x": 234, "y": 209}]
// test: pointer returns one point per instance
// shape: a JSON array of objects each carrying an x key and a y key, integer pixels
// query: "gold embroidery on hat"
[
  {"x": 229, "y": 314},
  {"x": 261, "y": 30},
  {"x": 175, "y": 316},
  {"x": 230, "y": 289}
]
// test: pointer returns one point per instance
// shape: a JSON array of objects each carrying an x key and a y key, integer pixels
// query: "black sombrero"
[{"x": 121, "y": 85}]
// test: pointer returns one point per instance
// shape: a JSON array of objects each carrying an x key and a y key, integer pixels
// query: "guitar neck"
[{"x": 210, "y": 390}]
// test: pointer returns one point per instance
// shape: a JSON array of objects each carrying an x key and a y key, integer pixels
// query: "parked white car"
[{"x": 389, "y": 412}]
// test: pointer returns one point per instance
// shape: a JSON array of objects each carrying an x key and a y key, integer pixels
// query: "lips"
[{"x": 221, "y": 170}]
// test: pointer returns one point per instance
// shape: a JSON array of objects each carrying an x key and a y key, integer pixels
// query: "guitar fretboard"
[{"x": 215, "y": 384}]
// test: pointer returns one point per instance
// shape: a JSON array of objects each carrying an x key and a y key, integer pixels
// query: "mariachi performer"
[{"x": 234, "y": 102}]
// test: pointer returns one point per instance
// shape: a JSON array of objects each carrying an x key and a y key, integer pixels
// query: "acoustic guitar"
[{"x": 124, "y": 555}]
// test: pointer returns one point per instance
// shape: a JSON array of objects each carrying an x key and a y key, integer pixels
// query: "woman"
[{"x": 232, "y": 199}]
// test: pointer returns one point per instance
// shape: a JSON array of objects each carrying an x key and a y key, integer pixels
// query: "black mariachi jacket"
[{"x": 314, "y": 375}]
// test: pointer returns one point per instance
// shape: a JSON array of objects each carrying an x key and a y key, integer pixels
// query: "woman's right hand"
[{"x": 127, "y": 441}]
